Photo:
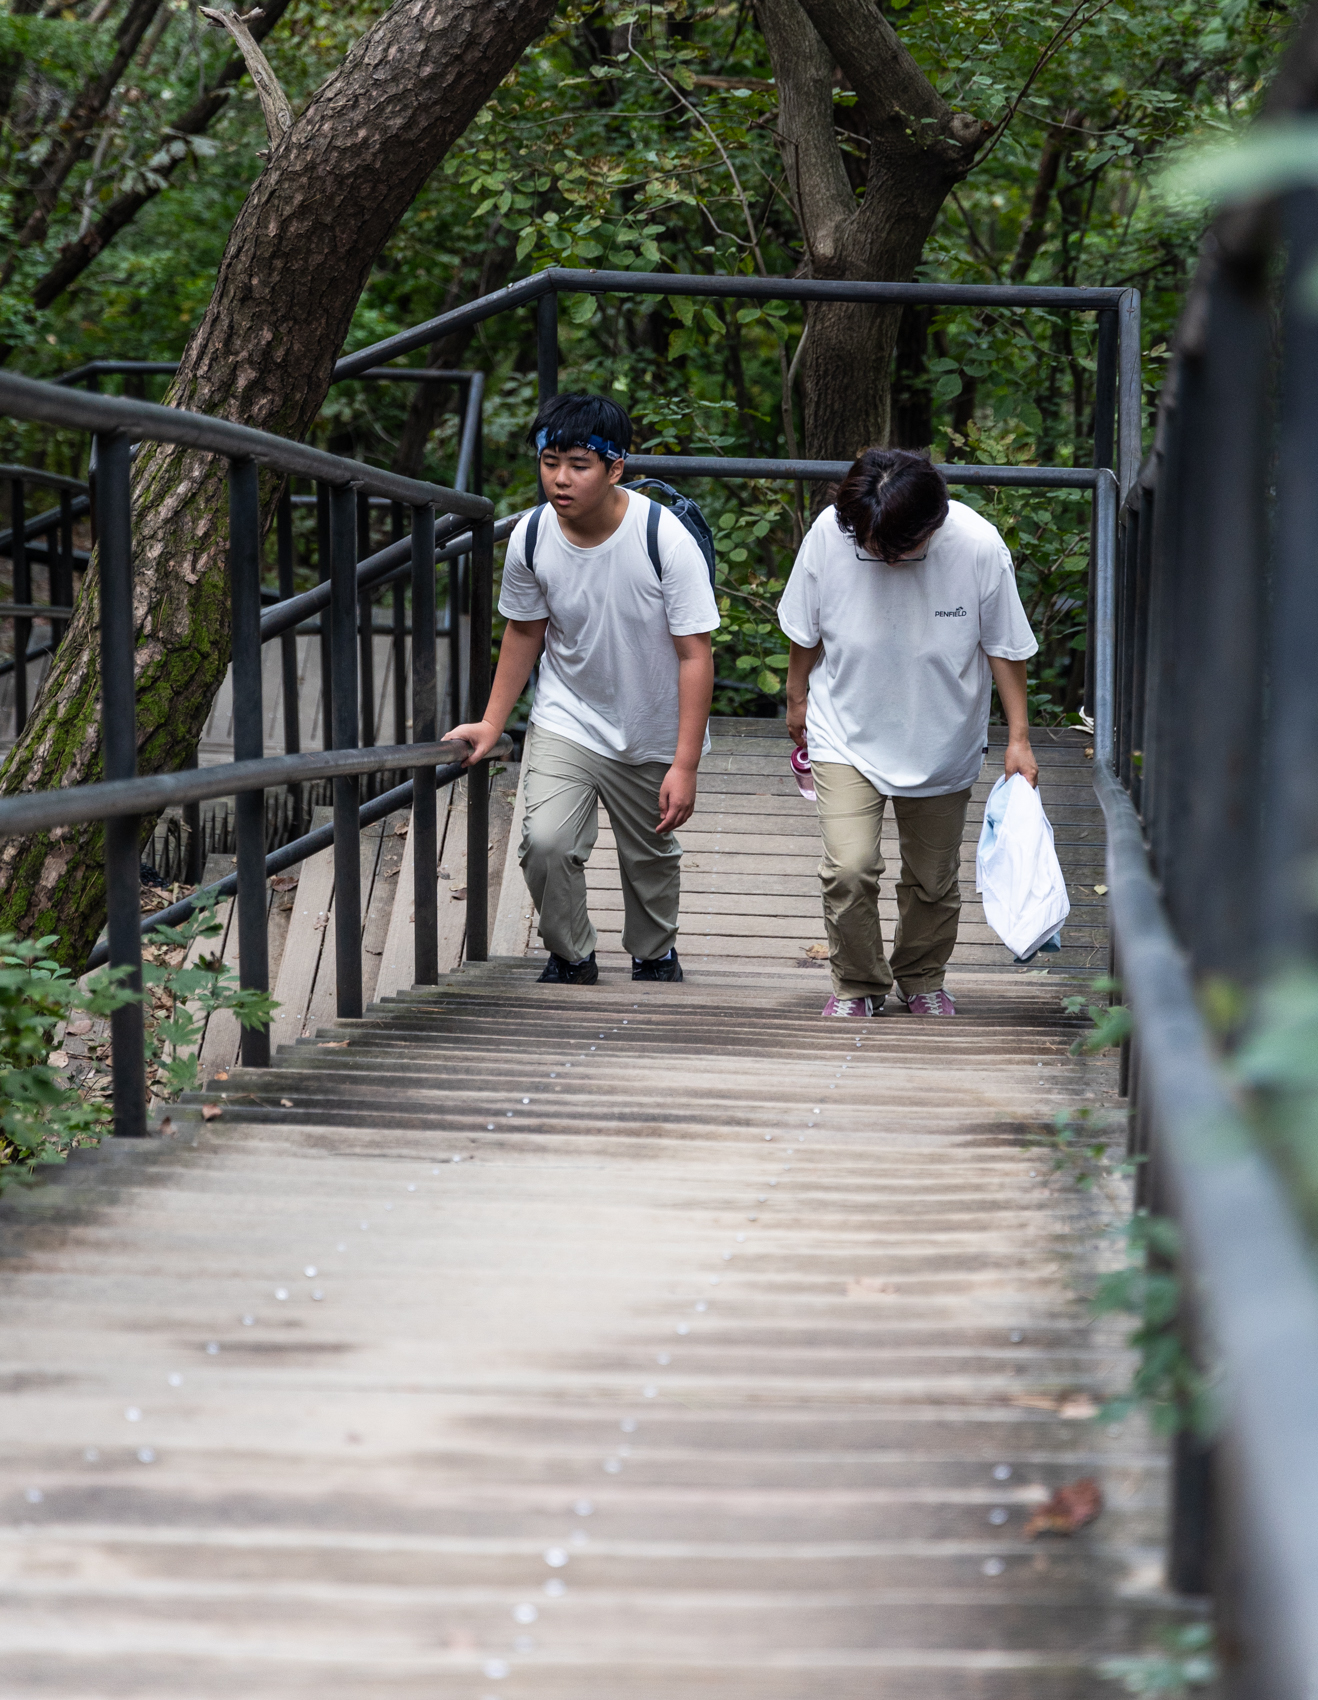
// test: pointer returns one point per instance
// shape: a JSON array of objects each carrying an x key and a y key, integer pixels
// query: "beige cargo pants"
[
  {"x": 563, "y": 784},
  {"x": 929, "y": 831}
]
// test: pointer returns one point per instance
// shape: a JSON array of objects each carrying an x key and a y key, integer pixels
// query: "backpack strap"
[
  {"x": 532, "y": 529},
  {"x": 652, "y": 538}
]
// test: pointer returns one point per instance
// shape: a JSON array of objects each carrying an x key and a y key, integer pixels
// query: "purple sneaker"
[
  {"x": 851, "y": 1006},
  {"x": 931, "y": 1003}
]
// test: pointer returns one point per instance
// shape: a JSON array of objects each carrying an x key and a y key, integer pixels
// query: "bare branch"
[{"x": 274, "y": 102}]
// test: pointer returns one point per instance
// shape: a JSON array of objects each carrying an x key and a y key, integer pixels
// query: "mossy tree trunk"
[{"x": 297, "y": 260}]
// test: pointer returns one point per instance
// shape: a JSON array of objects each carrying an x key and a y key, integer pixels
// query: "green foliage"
[
  {"x": 181, "y": 996},
  {"x": 1111, "y": 1021},
  {"x": 1085, "y": 1146},
  {"x": 42, "y": 1118},
  {"x": 1185, "y": 1662},
  {"x": 1167, "y": 1383}
]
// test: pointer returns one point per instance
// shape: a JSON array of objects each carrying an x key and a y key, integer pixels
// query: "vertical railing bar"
[
  {"x": 347, "y": 831},
  {"x": 1130, "y": 398},
  {"x": 425, "y": 716},
  {"x": 546, "y": 358},
  {"x": 478, "y": 777},
  {"x": 398, "y": 529},
  {"x": 286, "y": 563},
  {"x": 323, "y": 553},
  {"x": 22, "y": 593},
  {"x": 365, "y": 632},
  {"x": 1140, "y": 673},
  {"x": 249, "y": 743},
  {"x": 63, "y": 595},
  {"x": 1105, "y": 540},
  {"x": 123, "y": 881},
  {"x": 194, "y": 855}
]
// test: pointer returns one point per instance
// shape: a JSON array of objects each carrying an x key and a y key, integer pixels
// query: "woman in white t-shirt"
[{"x": 902, "y": 613}]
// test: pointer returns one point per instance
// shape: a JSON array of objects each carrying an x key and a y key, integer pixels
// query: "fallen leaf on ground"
[
  {"x": 1101, "y": 890},
  {"x": 286, "y": 1103},
  {"x": 458, "y": 893},
  {"x": 1078, "y": 1408},
  {"x": 400, "y": 830},
  {"x": 210, "y": 1111},
  {"x": 333, "y": 1044},
  {"x": 443, "y": 873},
  {"x": 167, "y": 1127},
  {"x": 391, "y": 873},
  {"x": 818, "y": 951},
  {"x": 58, "y": 1059},
  {"x": 1070, "y": 1508},
  {"x": 283, "y": 882},
  {"x": 320, "y": 922},
  {"x": 223, "y": 1074},
  {"x": 79, "y": 1026}
]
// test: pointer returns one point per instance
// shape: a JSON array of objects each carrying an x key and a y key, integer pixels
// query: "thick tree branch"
[
  {"x": 895, "y": 101},
  {"x": 277, "y": 112},
  {"x": 804, "y": 73}
]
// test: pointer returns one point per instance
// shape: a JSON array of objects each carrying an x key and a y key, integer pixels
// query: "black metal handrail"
[
  {"x": 1118, "y": 309},
  {"x": 122, "y": 798},
  {"x": 1206, "y": 744}
]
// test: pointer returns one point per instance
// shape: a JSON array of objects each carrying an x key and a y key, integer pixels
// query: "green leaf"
[
  {"x": 947, "y": 386},
  {"x": 769, "y": 682},
  {"x": 681, "y": 342},
  {"x": 748, "y": 315},
  {"x": 782, "y": 661},
  {"x": 583, "y": 309}
]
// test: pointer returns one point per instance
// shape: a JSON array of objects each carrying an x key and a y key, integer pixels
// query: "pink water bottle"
[{"x": 801, "y": 772}]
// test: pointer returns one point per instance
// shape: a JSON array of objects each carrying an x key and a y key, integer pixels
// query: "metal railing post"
[
  {"x": 288, "y": 643},
  {"x": 347, "y": 831},
  {"x": 546, "y": 357},
  {"x": 365, "y": 627},
  {"x": 326, "y": 647},
  {"x": 249, "y": 743},
  {"x": 1105, "y": 566},
  {"x": 22, "y": 595},
  {"x": 398, "y": 529},
  {"x": 62, "y": 591},
  {"x": 425, "y": 714},
  {"x": 478, "y": 779},
  {"x": 1130, "y": 400},
  {"x": 194, "y": 859},
  {"x": 123, "y": 884}
]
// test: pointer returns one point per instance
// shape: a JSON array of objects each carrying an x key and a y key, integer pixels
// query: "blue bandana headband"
[{"x": 601, "y": 445}]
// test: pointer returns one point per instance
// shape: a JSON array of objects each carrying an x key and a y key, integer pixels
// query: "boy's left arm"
[
  {"x": 1009, "y": 677},
  {"x": 695, "y": 692}
]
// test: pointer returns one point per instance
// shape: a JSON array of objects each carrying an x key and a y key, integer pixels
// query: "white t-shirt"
[
  {"x": 608, "y": 676},
  {"x": 901, "y": 691}
]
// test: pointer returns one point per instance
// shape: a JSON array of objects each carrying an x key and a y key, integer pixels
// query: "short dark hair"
[
  {"x": 890, "y": 501},
  {"x": 570, "y": 421}
]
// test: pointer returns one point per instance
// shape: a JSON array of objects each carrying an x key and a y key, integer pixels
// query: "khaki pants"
[
  {"x": 563, "y": 784},
  {"x": 929, "y": 831}
]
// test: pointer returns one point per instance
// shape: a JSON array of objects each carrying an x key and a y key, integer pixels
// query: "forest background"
[{"x": 645, "y": 138}]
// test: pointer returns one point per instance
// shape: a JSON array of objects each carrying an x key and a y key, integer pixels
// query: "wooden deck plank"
[{"x": 306, "y": 940}]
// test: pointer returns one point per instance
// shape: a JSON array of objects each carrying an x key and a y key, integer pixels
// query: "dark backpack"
[{"x": 682, "y": 506}]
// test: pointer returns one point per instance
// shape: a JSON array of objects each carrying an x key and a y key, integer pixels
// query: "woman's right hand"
[{"x": 480, "y": 735}]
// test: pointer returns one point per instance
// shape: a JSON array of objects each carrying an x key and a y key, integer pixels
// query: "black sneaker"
[
  {"x": 560, "y": 972},
  {"x": 661, "y": 968}
]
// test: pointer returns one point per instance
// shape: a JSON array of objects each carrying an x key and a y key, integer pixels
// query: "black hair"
[
  {"x": 890, "y": 501},
  {"x": 569, "y": 421}
]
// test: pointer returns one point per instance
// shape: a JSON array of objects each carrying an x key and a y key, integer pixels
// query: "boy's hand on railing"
[
  {"x": 677, "y": 798},
  {"x": 1020, "y": 759},
  {"x": 480, "y": 735}
]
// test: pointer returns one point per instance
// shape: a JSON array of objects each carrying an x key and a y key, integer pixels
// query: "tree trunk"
[
  {"x": 295, "y": 265},
  {"x": 919, "y": 150}
]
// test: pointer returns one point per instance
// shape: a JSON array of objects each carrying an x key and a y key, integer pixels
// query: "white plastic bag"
[{"x": 1017, "y": 871}]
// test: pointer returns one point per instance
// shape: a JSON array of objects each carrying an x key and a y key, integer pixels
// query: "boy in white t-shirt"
[
  {"x": 902, "y": 613},
  {"x": 622, "y": 701}
]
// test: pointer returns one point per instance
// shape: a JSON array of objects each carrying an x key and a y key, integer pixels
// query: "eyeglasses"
[{"x": 902, "y": 560}]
